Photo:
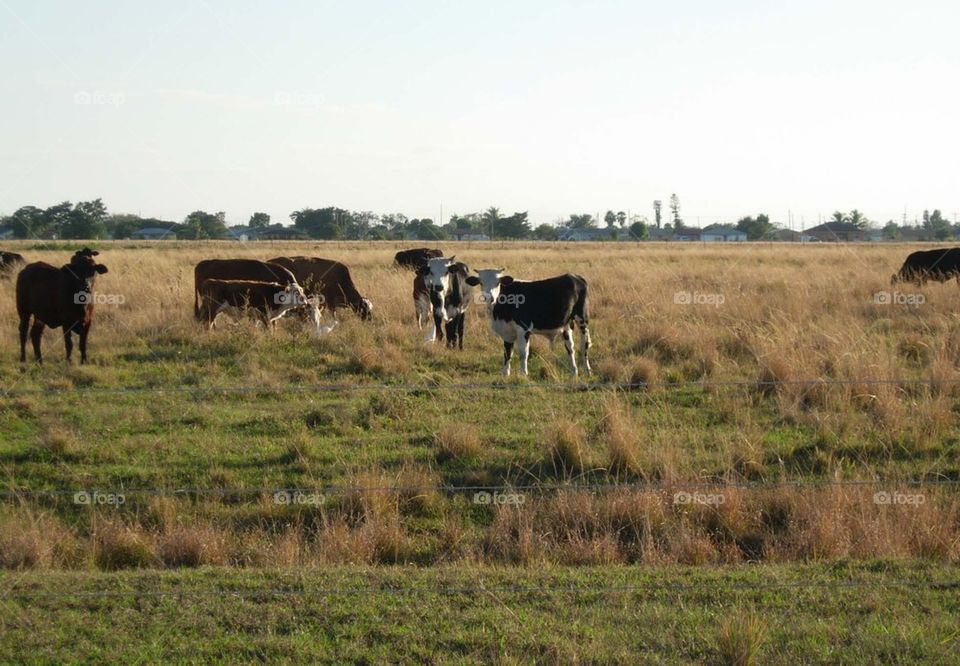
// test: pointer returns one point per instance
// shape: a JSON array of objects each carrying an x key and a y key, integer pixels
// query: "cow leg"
[
  {"x": 507, "y": 355},
  {"x": 438, "y": 327},
  {"x": 523, "y": 347},
  {"x": 584, "y": 344},
  {"x": 24, "y": 325},
  {"x": 36, "y": 335},
  {"x": 568, "y": 345},
  {"x": 451, "y": 333},
  {"x": 84, "y": 332},
  {"x": 68, "y": 341},
  {"x": 461, "y": 320}
]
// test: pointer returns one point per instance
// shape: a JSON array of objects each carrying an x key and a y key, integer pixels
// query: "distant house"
[
  {"x": 154, "y": 233},
  {"x": 273, "y": 232},
  {"x": 590, "y": 234},
  {"x": 655, "y": 234},
  {"x": 837, "y": 232},
  {"x": 687, "y": 234},
  {"x": 783, "y": 236},
  {"x": 722, "y": 233},
  {"x": 469, "y": 235}
]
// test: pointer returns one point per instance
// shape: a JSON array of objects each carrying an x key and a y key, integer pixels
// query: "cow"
[
  {"x": 550, "y": 307},
  {"x": 446, "y": 282},
  {"x": 57, "y": 297},
  {"x": 421, "y": 300},
  {"x": 328, "y": 280},
  {"x": 268, "y": 300},
  {"x": 416, "y": 258},
  {"x": 9, "y": 261},
  {"x": 940, "y": 265},
  {"x": 236, "y": 269}
]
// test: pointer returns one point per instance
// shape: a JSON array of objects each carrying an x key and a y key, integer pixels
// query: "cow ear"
[
  {"x": 506, "y": 279},
  {"x": 473, "y": 281},
  {"x": 100, "y": 268},
  {"x": 424, "y": 270}
]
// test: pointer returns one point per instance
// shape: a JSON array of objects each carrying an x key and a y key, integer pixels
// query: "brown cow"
[
  {"x": 415, "y": 258},
  {"x": 57, "y": 297},
  {"x": 236, "y": 269},
  {"x": 9, "y": 261},
  {"x": 329, "y": 280},
  {"x": 269, "y": 300}
]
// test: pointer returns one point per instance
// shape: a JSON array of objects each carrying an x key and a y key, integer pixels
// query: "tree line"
[{"x": 92, "y": 220}]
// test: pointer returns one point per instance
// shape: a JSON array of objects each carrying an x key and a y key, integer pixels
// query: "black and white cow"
[
  {"x": 551, "y": 307},
  {"x": 445, "y": 280}
]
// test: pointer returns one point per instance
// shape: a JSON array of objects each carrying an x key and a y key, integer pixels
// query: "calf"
[
  {"x": 236, "y": 269},
  {"x": 416, "y": 258},
  {"x": 10, "y": 261},
  {"x": 57, "y": 297},
  {"x": 269, "y": 300},
  {"x": 328, "y": 280},
  {"x": 446, "y": 283},
  {"x": 519, "y": 309},
  {"x": 940, "y": 265}
]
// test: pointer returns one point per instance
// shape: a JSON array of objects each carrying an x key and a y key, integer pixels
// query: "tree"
[
  {"x": 891, "y": 231},
  {"x": 86, "y": 221},
  {"x": 657, "y": 211},
  {"x": 857, "y": 219},
  {"x": 200, "y": 225},
  {"x": 545, "y": 232},
  {"x": 621, "y": 218},
  {"x": 28, "y": 222},
  {"x": 610, "y": 218},
  {"x": 514, "y": 226},
  {"x": 639, "y": 231},
  {"x": 54, "y": 218},
  {"x": 675, "y": 210},
  {"x": 489, "y": 219},
  {"x": 582, "y": 221},
  {"x": 755, "y": 228},
  {"x": 322, "y": 223},
  {"x": 936, "y": 226},
  {"x": 838, "y": 217},
  {"x": 259, "y": 221}
]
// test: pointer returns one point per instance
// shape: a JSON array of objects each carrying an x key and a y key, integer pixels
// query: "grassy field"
[{"x": 772, "y": 404}]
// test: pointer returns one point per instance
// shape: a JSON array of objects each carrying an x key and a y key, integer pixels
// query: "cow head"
[
  {"x": 83, "y": 268},
  {"x": 365, "y": 309},
  {"x": 489, "y": 280},
  {"x": 292, "y": 296}
]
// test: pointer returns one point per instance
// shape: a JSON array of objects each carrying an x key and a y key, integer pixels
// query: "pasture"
[{"x": 780, "y": 405}]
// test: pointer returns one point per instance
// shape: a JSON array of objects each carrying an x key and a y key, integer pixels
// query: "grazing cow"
[
  {"x": 519, "y": 309},
  {"x": 416, "y": 258},
  {"x": 446, "y": 283},
  {"x": 236, "y": 269},
  {"x": 329, "y": 280},
  {"x": 57, "y": 297},
  {"x": 940, "y": 265},
  {"x": 268, "y": 300},
  {"x": 9, "y": 261}
]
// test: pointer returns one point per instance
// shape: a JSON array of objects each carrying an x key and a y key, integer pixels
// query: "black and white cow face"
[
  {"x": 489, "y": 280},
  {"x": 436, "y": 274}
]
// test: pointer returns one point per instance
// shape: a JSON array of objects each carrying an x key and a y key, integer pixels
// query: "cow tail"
[{"x": 581, "y": 312}]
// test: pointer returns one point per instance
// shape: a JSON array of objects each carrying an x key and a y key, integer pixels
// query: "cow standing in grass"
[
  {"x": 10, "y": 261},
  {"x": 236, "y": 269},
  {"x": 329, "y": 281},
  {"x": 446, "y": 282},
  {"x": 57, "y": 297},
  {"x": 939, "y": 265},
  {"x": 519, "y": 309},
  {"x": 415, "y": 258},
  {"x": 268, "y": 300}
]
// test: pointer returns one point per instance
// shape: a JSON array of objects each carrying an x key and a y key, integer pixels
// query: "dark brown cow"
[
  {"x": 57, "y": 297},
  {"x": 328, "y": 279},
  {"x": 269, "y": 300},
  {"x": 416, "y": 258},
  {"x": 236, "y": 269},
  {"x": 10, "y": 261}
]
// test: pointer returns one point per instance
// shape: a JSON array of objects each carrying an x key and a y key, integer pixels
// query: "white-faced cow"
[
  {"x": 445, "y": 280},
  {"x": 57, "y": 297},
  {"x": 268, "y": 300},
  {"x": 519, "y": 309}
]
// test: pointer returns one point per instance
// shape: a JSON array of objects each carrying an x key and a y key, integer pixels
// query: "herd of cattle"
[{"x": 62, "y": 297}]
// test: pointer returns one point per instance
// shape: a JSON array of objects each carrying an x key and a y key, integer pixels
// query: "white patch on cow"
[
  {"x": 506, "y": 329},
  {"x": 489, "y": 285}
]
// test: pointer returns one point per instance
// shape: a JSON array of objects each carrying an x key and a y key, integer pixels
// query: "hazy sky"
[{"x": 552, "y": 107}]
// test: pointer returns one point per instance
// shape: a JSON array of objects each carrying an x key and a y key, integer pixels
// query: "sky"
[{"x": 792, "y": 109}]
